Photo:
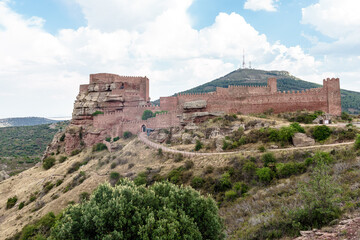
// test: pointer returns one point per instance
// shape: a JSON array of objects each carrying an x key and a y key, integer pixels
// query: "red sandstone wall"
[{"x": 333, "y": 95}]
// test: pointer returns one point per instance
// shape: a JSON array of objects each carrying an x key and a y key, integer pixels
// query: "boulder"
[
  {"x": 195, "y": 104},
  {"x": 301, "y": 140}
]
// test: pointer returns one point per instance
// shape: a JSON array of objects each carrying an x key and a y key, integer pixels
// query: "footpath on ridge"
[{"x": 145, "y": 140}]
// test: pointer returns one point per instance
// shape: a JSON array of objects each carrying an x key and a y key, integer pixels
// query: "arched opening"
[
  {"x": 122, "y": 85},
  {"x": 143, "y": 128}
]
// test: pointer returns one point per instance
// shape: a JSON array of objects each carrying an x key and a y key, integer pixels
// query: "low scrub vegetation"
[{"x": 48, "y": 162}]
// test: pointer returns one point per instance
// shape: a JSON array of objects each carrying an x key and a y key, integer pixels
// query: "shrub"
[
  {"x": 114, "y": 176},
  {"x": 265, "y": 174},
  {"x": 74, "y": 167},
  {"x": 198, "y": 145},
  {"x": 321, "y": 133},
  {"x": 262, "y": 149},
  {"x": 241, "y": 188},
  {"x": 174, "y": 176},
  {"x": 296, "y": 126},
  {"x": 230, "y": 195},
  {"x": 209, "y": 169},
  {"x": 224, "y": 183},
  {"x": 285, "y": 170},
  {"x": 48, "y": 162},
  {"x": 188, "y": 164},
  {"x": 59, "y": 182},
  {"x": 21, "y": 205},
  {"x": 323, "y": 157},
  {"x": 178, "y": 157},
  {"x": 84, "y": 196},
  {"x": 285, "y": 134},
  {"x": 62, "y": 138},
  {"x": 75, "y": 152},
  {"x": 319, "y": 195},
  {"x": 127, "y": 135},
  {"x": 160, "y": 152},
  {"x": 140, "y": 179},
  {"x": 197, "y": 182},
  {"x": 113, "y": 165},
  {"x": 11, "y": 202},
  {"x": 116, "y": 139},
  {"x": 39, "y": 230},
  {"x": 99, "y": 147},
  {"x": 268, "y": 159},
  {"x": 108, "y": 139},
  {"x": 346, "y": 117},
  {"x": 147, "y": 114},
  {"x": 97, "y": 113},
  {"x": 62, "y": 159},
  {"x": 161, "y": 211},
  {"x": 357, "y": 143}
]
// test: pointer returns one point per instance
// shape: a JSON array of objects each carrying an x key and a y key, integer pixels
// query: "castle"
[{"x": 110, "y": 105}]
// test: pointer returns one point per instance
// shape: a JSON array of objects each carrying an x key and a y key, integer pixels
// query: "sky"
[{"x": 49, "y": 47}]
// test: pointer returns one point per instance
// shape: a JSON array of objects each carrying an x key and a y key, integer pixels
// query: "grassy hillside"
[
  {"x": 25, "y": 121},
  {"x": 350, "y": 100},
  {"x": 26, "y": 140}
]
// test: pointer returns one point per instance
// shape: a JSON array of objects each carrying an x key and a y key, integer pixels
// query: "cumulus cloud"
[
  {"x": 42, "y": 72},
  {"x": 257, "y": 5}
]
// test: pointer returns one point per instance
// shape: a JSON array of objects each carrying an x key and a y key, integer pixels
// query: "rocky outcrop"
[
  {"x": 301, "y": 140},
  {"x": 195, "y": 104},
  {"x": 3, "y": 175}
]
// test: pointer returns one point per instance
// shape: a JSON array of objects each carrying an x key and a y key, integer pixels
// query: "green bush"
[
  {"x": 40, "y": 229},
  {"x": 297, "y": 127},
  {"x": 319, "y": 196},
  {"x": 99, "y": 147},
  {"x": 75, "y": 152},
  {"x": 285, "y": 170},
  {"x": 197, "y": 182},
  {"x": 97, "y": 113},
  {"x": 224, "y": 183},
  {"x": 127, "y": 135},
  {"x": 198, "y": 145},
  {"x": 147, "y": 114},
  {"x": 116, "y": 139},
  {"x": 11, "y": 202},
  {"x": 62, "y": 138},
  {"x": 285, "y": 134},
  {"x": 321, "y": 133},
  {"x": 262, "y": 148},
  {"x": 127, "y": 211},
  {"x": 140, "y": 179},
  {"x": 114, "y": 176},
  {"x": 241, "y": 188},
  {"x": 268, "y": 159},
  {"x": 108, "y": 139},
  {"x": 21, "y": 205},
  {"x": 178, "y": 157},
  {"x": 188, "y": 164},
  {"x": 265, "y": 174},
  {"x": 62, "y": 159},
  {"x": 357, "y": 143},
  {"x": 230, "y": 195},
  {"x": 48, "y": 162},
  {"x": 346, "y": 117},
  {"x": 83, "y": 197}
]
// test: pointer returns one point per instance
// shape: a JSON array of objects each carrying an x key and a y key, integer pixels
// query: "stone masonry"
[{"x": 121, "y": 101}]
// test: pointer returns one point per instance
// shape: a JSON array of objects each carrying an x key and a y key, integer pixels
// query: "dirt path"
[{"x": 144, "y": 139}]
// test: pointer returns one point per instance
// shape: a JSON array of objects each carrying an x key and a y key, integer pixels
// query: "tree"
[
  {"x": 127, "y": 211},
  {"x": 321, "y": 132},
  {"x": 357, "y": 143},
  {"x": 147, "y": 114},
  {"x": 319, "y": 196}
]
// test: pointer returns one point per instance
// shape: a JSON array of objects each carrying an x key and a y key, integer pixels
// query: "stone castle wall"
[{"x": 123, "y": 100}]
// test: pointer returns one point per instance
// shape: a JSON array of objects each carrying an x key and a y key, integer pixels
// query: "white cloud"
[
  {"x": 257, "y": 5},
  {"x": 156, "y": 39}
]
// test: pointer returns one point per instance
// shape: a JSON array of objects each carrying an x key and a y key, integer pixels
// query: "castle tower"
[
  {"x": 272, "y": 84},
  {"x": 332, "y": 87}
]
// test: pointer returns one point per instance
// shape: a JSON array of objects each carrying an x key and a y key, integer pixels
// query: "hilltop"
[
  {"x": 25, "y": 121},
  {"x": 350, "y": 100}
]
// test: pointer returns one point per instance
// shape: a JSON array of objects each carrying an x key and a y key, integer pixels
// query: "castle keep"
[{"x": 122, "y": 100}]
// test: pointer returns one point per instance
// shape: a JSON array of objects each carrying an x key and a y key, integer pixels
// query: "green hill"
[
  {"x": 25, "y": 121},
  {"x": 350, "y": 100}
]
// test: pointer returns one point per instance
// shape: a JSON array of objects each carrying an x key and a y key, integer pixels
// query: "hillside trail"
[{"x": 145, "y": 140}]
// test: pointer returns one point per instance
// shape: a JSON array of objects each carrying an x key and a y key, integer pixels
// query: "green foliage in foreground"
[
  {"x": 11, "y": 202},
  {"x": 357, "y": 143},
  {"x": 99, "y": 147},
  {"x": 127, "y": 211}
]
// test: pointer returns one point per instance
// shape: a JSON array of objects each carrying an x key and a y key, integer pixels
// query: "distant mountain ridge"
[
  {"x": 350, "y": 100},
  {"x": 25, "y": 121}
]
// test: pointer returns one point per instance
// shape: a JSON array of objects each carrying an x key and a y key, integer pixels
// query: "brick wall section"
[{"x": 234, "y": 99}]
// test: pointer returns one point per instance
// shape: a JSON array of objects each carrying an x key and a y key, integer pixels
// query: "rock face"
[
  {"x": 3, "y": 175},
  {"x": 301, "y": 140},
  {"x": 195, "y": 104}
]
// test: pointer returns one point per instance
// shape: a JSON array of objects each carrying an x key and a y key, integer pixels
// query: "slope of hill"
[
  {"x": 24, "y": 121},
  {"x": 350, "y": 100}
]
